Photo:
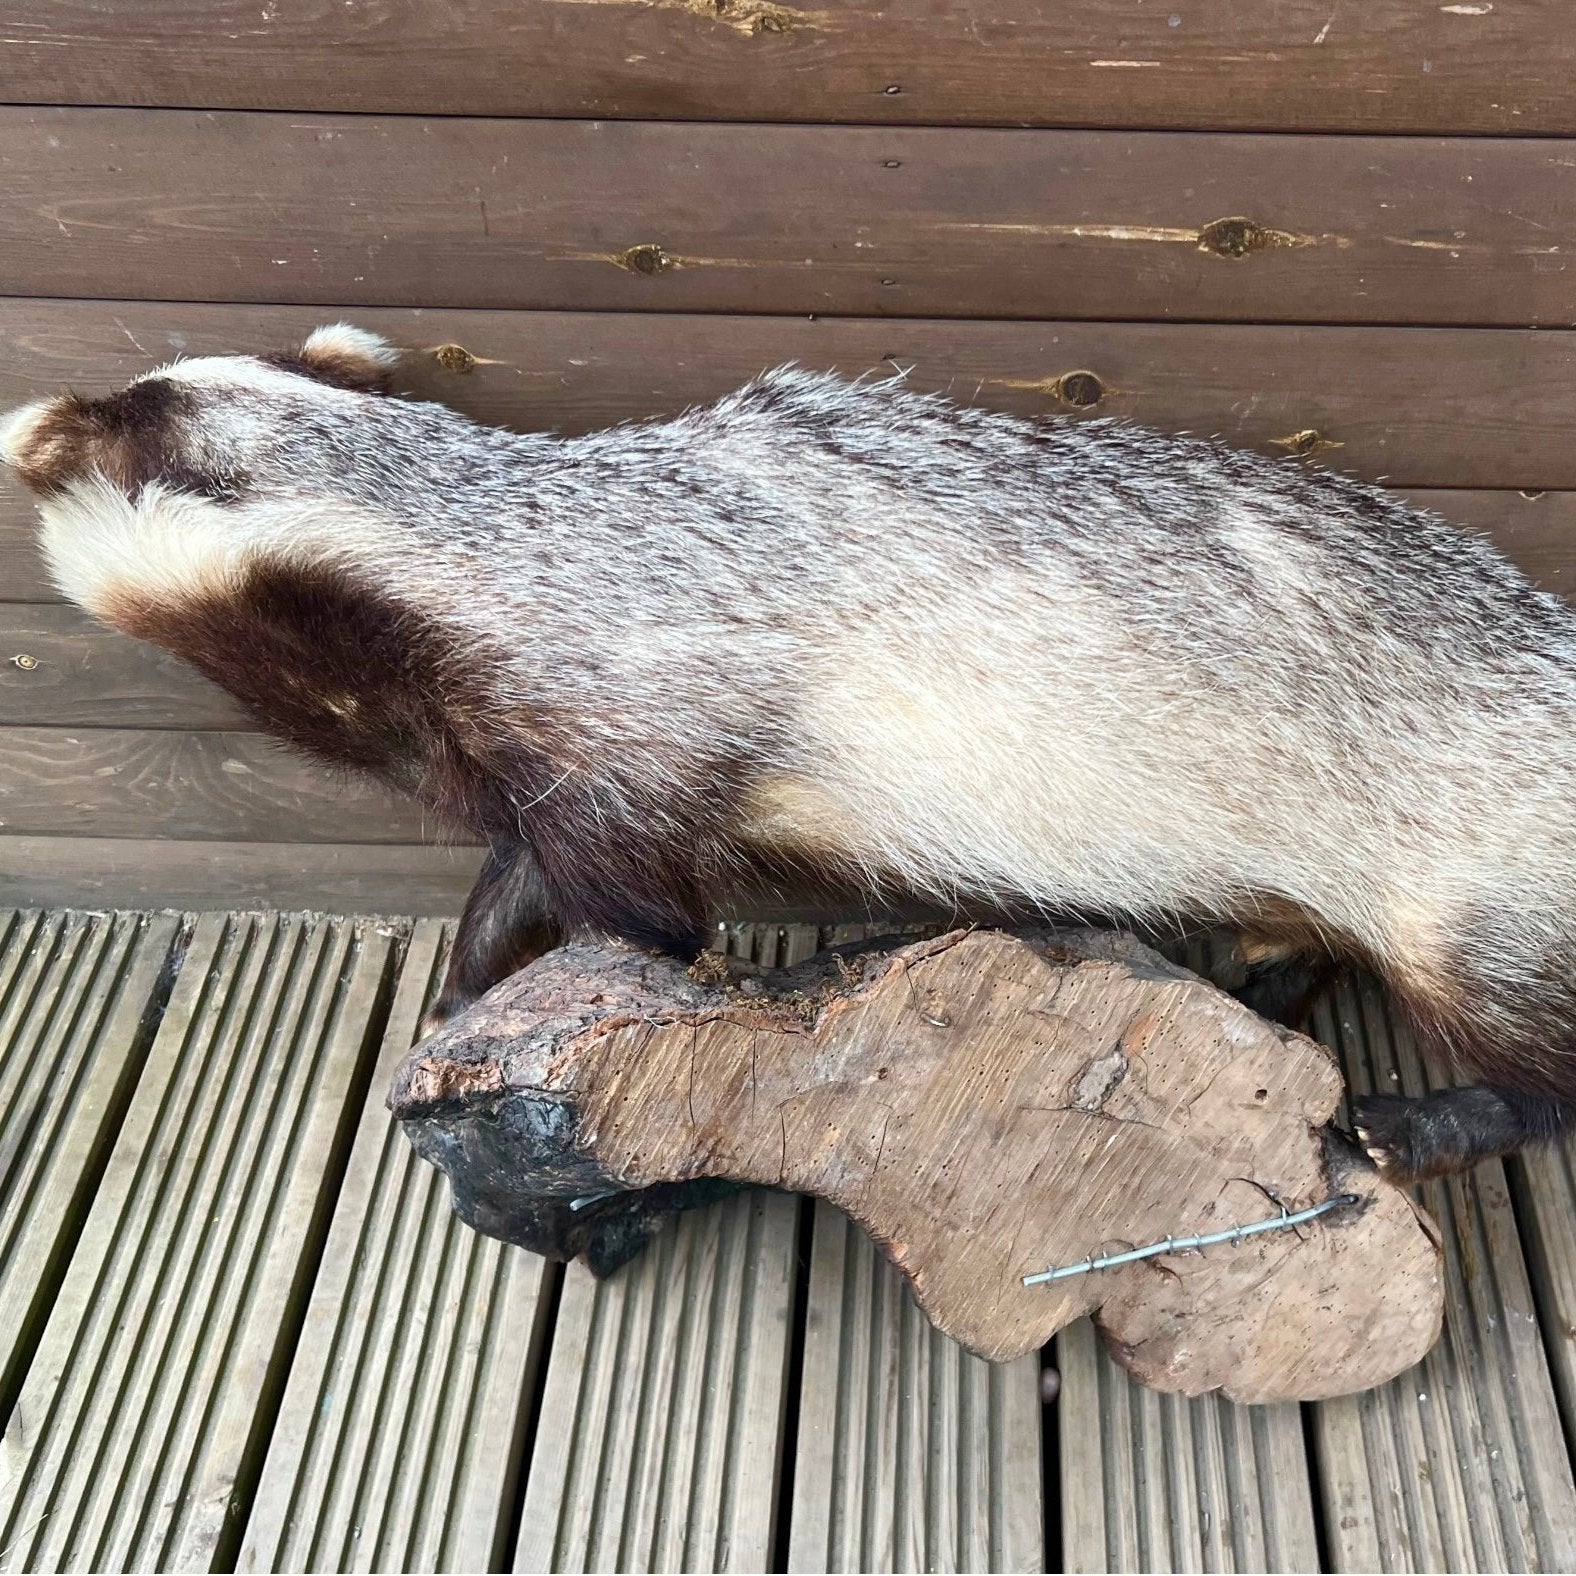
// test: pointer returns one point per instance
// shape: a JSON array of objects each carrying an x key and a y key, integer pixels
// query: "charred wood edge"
[
  {"x": 515, "y": 1173},
  {"x": 512, "y": 1157}
]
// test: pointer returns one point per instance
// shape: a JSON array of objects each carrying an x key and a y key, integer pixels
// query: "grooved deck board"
[
  {"x": 77, "y": 996},
  {"x": 1543, "y": 1182},
  {"x": 1297, "y": 65},
  {"x": 1154, "y": 1482},
  {"x": 394, "y": 1445},
  {"x": 142, "y": 1420},
  {"x": 661, "y": 1420},
  {"x": 1459, "y": 1465},
  {"x": 845, "y": 220},
  {"x": 912, "y": 1454}
]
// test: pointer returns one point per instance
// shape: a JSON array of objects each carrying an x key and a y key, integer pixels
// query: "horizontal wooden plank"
[
  {"x": 131, "y": 782},
  {"x": 343, "y": 878},
  {"x": 1386, "y": 65},
  {"x": 1417, "y": 407},
  {"x": 619, "y": 216},
  {"x": 59, "y": 666},
  {"x": 133, "y": 872}
]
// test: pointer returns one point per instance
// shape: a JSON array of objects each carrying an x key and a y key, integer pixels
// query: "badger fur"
[{"x": 850, "y": 630}]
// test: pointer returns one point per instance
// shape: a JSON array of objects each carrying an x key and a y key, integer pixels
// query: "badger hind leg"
[
  {"x": 1438, "y": 1134},
  {"x": 1497, "y": 1007}
]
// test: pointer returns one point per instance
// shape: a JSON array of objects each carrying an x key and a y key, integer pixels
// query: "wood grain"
[
  {"x": 1299, "y": 64},
  {"x": 667, "y": 1387},
  {"x": 59, "y": 666},
  {"x": 1161, "y": 1483},
  {"x": 78, "y": 999},
  {"x": 1494, "y": 410},
  {"x": 152, "y": 872},
  {"x": 131, "y": 782},
  {"x": 617, "y": 216},
  {"x": 1146, "y": 1105}
]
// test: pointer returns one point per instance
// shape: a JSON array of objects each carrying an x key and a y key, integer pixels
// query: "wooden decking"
[{"x": 241, "y": 1331}]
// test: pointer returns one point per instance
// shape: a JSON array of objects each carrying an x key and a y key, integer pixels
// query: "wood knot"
[
  {"x": 646, "y": 259},
  {"x": 1309, "y": 441},
  {"x": 24, "y": 661},
  {"x": 454, "y": 358},
  {"x": 1233, "y": 237},
  {"x": 1079, "y": 389}
]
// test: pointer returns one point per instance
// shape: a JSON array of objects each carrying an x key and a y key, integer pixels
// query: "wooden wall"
[{"x": 1338, "y": 233}]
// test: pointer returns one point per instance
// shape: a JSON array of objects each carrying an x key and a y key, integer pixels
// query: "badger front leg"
[
  {"x": 507, "y": 922},
  {"x": 643, "y": 885}
]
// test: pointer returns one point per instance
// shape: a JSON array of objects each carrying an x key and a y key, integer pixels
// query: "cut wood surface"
[
  {"x": 1299, "y": 64},
  {"x": 881, "y": 1079},
  {"x": 928, "y": 222}
]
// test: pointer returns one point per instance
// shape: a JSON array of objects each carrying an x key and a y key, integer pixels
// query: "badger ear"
[
  {"x": 48, "y": 442},
  {"x": 350, "y": 358}
]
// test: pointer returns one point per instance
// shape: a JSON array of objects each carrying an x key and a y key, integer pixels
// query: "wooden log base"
[{"x": 986, "y": 1104}]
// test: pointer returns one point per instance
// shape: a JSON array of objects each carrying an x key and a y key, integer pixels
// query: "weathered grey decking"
[{"x": 239, "y": 1329}]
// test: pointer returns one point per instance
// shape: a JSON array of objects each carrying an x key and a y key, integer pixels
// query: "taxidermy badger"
[{"x": 846, "y": 629}]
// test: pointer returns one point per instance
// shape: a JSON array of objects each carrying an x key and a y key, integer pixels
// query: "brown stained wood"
[
  {"x": 1296, "y": 65},
  {"x": 129, "y": 782},
  {"x": 1119, "y": 1100},
  {"x": 345, "y": 878},
  {"x": 1495, "y": 409},
  {"x": 60, "y": 667},
  {"x": 615, "y": 216}
]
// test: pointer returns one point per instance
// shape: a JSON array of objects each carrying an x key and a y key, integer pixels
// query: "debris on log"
[{"x": 987, "y": 1105}]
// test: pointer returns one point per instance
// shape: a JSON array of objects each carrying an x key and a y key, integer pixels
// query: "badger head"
[{"x": 143, "y": 493}]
